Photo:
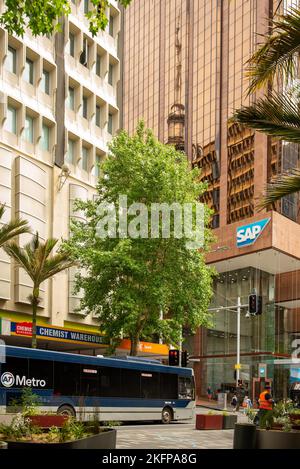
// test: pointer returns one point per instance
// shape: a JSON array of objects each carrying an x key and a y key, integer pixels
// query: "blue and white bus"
[{"x": 109, "y": 389}]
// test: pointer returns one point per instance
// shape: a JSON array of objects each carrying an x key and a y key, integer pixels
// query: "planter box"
[
  {"x": 209, "y": 422},
  {"x": 103, "y": 440},
  {"x": 229, "y": 421},
  {"x": 294, "y": 417},
  {"x": 271, "y": 439},
  {"x": 244, "y": 436},
  {"x": 48, "y": 421}
]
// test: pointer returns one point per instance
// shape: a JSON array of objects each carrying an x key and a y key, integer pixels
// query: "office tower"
[{"x": 184, "y": 73}]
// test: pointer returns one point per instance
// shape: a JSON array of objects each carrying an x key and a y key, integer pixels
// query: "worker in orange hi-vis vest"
[{"x": 265, "y": 403}]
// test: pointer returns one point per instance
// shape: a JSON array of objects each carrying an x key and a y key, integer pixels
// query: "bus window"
[
  {"x": 89, "y": 381},
  {"x": 150, "y": 385},
  {"x": 168, "y": 386},
  {"x": 185, "y": 388},
  {"x": 66, "y": 379},
  {"x": 41, "y": 370},
  {"x": 110, "y": 385},
  {"x": 130, "y": 383},
  {"x": 16, "y": 366}
]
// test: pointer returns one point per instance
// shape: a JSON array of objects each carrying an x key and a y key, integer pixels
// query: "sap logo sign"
[{"x": 247, "y": 235}]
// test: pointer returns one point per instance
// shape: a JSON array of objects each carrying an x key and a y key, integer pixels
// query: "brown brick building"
[{"x": 184, "y": 73}]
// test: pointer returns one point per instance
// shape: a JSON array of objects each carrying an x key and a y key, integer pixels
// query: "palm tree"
[
  {"x": 38, "y": 261},
  {"x": 12, "y": 229},
  {"x": 278, "y": 113}
]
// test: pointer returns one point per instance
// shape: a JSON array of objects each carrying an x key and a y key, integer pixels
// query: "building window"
[
  {"x": 45, "y": 140},
  {"x": 97, "y": 166},
  {"x": 84, "y": 56},
  {"x": 111, "y": 26},
  {"x": 11, "y": 120},
  {"x": 28, "y": 132},
  {"x": 110, "y": 124},
  {"x": 85, "y": 107},
  {"x": 28, "y": 71},
  {"x": 11, "y": 60},
  {"x": 45, "y": 82},
  {"x": 71, "y": 151},
  {"x": 110, "y": 74},
  {"x": 71, "y": 98},
  {"x": 72, "y": 45},
  {"x": 98, "y": 65},
  {"x": 98, "y": 116},
  {"x": 84, "y": 159},
  {"x": 86, "y": 6}
]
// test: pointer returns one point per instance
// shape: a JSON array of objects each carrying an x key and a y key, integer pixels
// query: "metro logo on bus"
[
  {"x": 247, "y": 235},
  {"x": 8, "y": 380}
]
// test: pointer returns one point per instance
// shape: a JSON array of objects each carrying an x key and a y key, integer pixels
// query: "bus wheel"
[
  {"x": 66, "y": 410},
  {"x": 167, "y": 415}
]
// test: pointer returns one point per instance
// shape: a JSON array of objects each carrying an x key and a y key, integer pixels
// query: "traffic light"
[
  {"x": 174, "y": 357},
  {"x": 255, "y": 304},
  {"x": 184, "y": 358}
]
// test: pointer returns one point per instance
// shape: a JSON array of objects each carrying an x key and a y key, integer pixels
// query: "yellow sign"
[{"x": 238, "y": 366}]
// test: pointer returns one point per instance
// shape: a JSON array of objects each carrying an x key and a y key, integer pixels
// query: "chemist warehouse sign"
[
  {"x": 63, "y": 335},
  {"x": 249, "y": 234}
]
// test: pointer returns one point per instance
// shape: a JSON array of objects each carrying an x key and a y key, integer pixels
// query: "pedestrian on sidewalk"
[
  {"x": 209, "y": 393},
  {"x": 234, "y": 402},
  {"x": 247, "y": 404}
]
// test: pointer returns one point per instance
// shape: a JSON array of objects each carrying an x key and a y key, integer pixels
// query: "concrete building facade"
[
  {"x": 59, "y": 109},
  {"x": 184, "y": 74}
]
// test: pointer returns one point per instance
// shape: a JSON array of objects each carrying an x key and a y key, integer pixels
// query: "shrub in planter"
[
  {"x": 209, "y": 421},
  {"x": 21, "y": 434}
]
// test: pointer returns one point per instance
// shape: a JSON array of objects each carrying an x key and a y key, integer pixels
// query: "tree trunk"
[
  {"x": 134, "y": 346},
  {"x": 34, "y": 302}
]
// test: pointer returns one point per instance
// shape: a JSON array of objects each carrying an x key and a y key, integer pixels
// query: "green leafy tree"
[
  {"x": 42, "y": 17},
  {"x": 39, "y": 262},
  {"x": 12, "y": 229},
  {"x": 128, "y": 282},
  {"x": 277, "y": 114}
]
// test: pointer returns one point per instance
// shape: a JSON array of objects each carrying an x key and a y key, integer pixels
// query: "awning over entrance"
[{"x": 65, "y": 339}]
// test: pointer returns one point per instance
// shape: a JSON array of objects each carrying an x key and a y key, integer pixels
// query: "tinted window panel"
[
  {"x": 131, "y": 383},
  {"x": 66, "y": 379},
  {"x": 89, "y": 381},
  {"x": 16, "y": 366},
  {"x": 150, "y": 385},
  {"x": 42, "y": 370},
  {"x": 168, "y": 386},
  {"x": 110, "y": 382}
]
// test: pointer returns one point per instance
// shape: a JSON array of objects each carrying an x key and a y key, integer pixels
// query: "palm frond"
[
  {"x": 20, "y": 256},
  {"x": 277, "y": 115},
  {"x": 277, "y": 54},
  {"x": 2, "y": 210},
  {"x": 282, "y": 186},
  {"x": 12, "y": 229},
  {"x": 37, "y": 260}
]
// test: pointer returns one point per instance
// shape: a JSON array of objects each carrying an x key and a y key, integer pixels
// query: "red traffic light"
[{"x": 174, "y": 357}]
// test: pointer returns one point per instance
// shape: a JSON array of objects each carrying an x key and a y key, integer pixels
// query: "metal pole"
[
  {"x": 180, "y": 347},
  {"x": 238, "y": 332}
]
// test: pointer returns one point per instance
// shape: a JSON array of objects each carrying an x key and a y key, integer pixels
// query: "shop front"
[
  {"x": 262, "y": 257},
  {"x": 74, "y": 338}
]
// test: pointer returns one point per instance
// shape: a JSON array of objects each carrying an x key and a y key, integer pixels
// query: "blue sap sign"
[{"x": 247, "y": 235}]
